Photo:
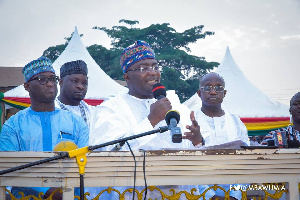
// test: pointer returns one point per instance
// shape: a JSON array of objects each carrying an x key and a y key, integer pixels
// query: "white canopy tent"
[
  {"x": 259, "y": 113},
  {"x": 100, "y": 84},
  {"x": 242, "y": 98}
]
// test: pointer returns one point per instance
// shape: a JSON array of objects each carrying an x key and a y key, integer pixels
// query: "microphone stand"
[
  {"x": 80, "y": 155},
  {"x": 159, "y": 130}
]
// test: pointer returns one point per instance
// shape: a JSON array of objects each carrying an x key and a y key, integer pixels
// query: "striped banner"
[
  {"x": 21, "y": 103},
  {"x": 255, "y": 126},
  {"x": 265, "y": 123},
  {"x": 17, "y": 102}
]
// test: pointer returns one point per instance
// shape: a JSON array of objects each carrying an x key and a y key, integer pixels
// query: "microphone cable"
[
  {"x": 134, "y": 175},
  {"x": 144, "y": 172}
]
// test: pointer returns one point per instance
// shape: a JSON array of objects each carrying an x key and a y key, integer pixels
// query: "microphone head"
[
  {"x": 159, "y": 91},
  {"x": 65, "y": 146},
  {"x": 172, "y": 114}
]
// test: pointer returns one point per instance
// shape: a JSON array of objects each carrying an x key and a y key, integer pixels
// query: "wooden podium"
[{"x": 164, "y": 167}]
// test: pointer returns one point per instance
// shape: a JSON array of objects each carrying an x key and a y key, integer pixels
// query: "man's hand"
[
  {"x": 158, "y": 110},
  {"x": 194, "y": 135}
]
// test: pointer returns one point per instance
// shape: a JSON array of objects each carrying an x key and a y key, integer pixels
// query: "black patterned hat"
[{"x": 73, "y": 67}]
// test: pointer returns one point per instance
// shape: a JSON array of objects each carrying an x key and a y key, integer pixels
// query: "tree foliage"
[
  {"x": 181, "y": 71},
  {"x": 108, "y": 60},
  {"x": 54, "y": 52}
]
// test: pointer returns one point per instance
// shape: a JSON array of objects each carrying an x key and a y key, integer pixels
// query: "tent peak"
[
  {"x": 228, "y": 63},
  {"x": 228, "y": 55},
  {"x": 76, "y": 30},
  {"x": 227, "y": 50}
]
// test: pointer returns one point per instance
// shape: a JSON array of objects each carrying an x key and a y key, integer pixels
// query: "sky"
[{"x": 262, "y": 35}]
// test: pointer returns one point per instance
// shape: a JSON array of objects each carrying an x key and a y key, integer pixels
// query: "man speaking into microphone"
[{"x": 138, "y": 111}]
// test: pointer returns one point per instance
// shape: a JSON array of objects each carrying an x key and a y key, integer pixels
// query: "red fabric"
[
  {"x": 18, "y": 99},
  {"x": 264, "y": 119},
  {"x": 95, "y": 102},
  {"x": 92, "y": 102}
]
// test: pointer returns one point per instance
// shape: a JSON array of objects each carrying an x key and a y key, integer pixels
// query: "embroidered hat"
[
  {"x": 73, "y": 67},
  {"x": 40, "y": 65},
  {"x": 138, "y": 51}
]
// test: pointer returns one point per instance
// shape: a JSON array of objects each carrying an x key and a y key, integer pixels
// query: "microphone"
[
  {"x": 172, "y": 116},
  {"x": 159, "y": 91},
  {"x": 172, "y": 119}
]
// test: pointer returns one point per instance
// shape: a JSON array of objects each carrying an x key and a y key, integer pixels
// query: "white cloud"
[
  {"x": 263, "y": 31},
  {"x": 239, "y": 33},
  {"x": 288, "y": 37},
  {"x": 265, "y": 43},
  {"x": 262, "y": 35}
]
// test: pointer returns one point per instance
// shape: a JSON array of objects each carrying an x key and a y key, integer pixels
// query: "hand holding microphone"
[
  {"x": 162, "y": 108},
  {"x": 159, "y": 109}
]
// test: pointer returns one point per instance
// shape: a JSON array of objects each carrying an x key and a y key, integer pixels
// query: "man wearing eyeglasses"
[
  {"x": 218, "y": 126},
  {"x": 41, "y": 126},
  {"x": 137, "y": 111}
]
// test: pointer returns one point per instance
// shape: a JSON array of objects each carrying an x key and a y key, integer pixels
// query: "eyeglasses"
[
  {"x": 146, "y": 69},
  {"x": 209, "y": 88},
  {"x": 43, "y": 80}
]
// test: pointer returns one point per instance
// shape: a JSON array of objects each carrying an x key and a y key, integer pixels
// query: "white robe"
[
  {"x": 124, "y": 115},
  {"x": 220, "y": 130}
]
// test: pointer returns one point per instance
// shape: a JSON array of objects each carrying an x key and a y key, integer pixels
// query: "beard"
[{"x": 78, "y": 97}]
